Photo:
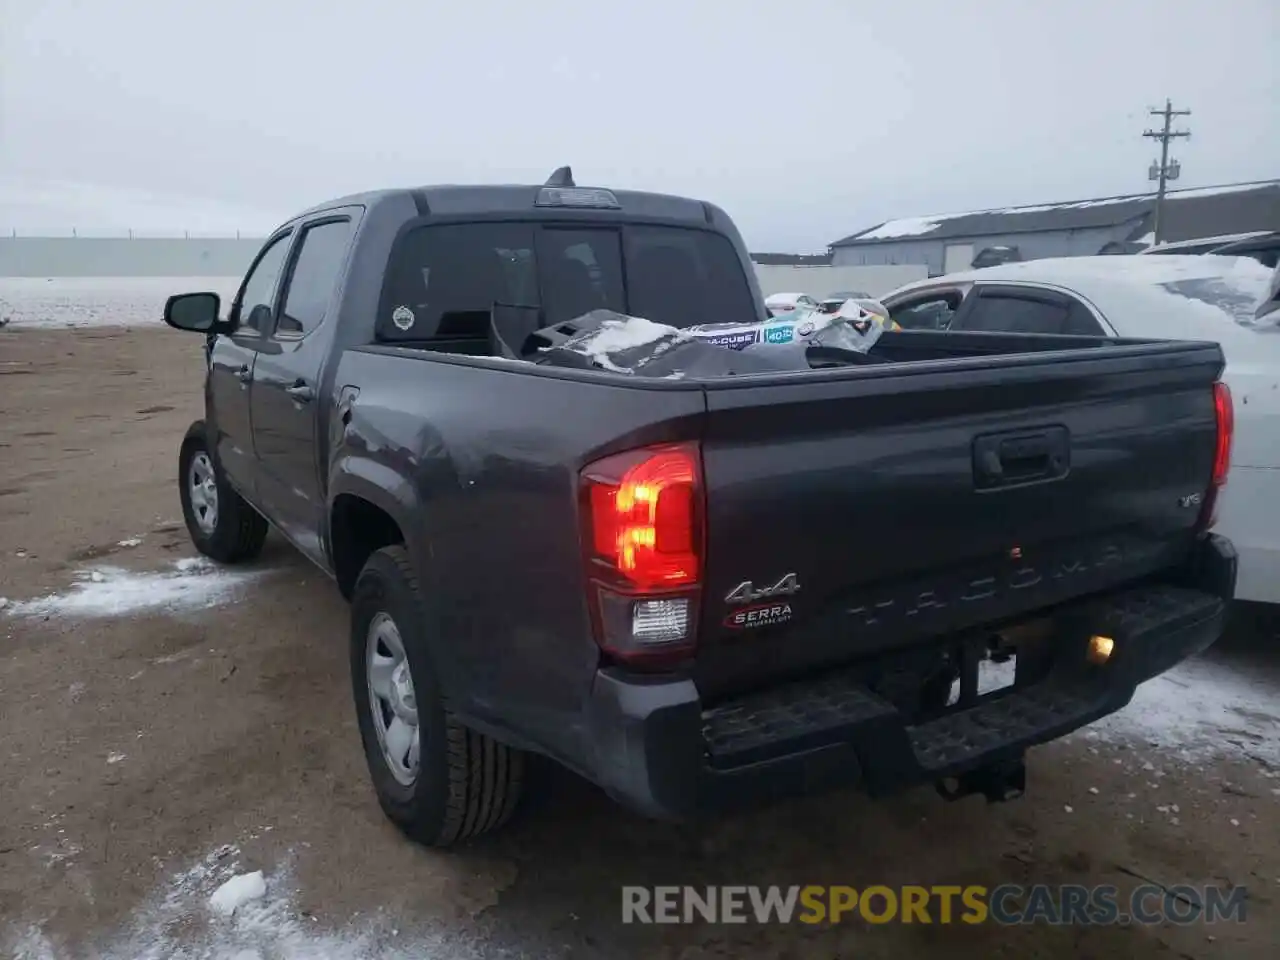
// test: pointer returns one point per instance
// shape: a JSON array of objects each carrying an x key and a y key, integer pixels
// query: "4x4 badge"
[{"x": 746, "y": 591}]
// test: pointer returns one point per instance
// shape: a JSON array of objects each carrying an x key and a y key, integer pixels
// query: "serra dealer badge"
[{"x": 759, "y": 615}]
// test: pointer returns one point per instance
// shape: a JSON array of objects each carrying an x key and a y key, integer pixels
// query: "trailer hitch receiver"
[{"x": 998, "y": 782}]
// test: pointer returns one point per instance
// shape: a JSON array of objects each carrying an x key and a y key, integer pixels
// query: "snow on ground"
[
  {"x": 1201, "y": 709},
  {"x": 188, "y": 919},
  {"x": 192, "y": 583},
  {"x": 61, "y": 302}
]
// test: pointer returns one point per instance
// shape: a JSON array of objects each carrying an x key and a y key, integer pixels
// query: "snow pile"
[
  {"x": 1201, "y": 709},
  {"x": 192, "y": 584},
  {"x": 908, "y": 227},
  {"x": 182, "y": 922},
  {"x": 60, "y": 302},
  {"x": 235, "y": 893},
  {"x": 626, "y": 333},
  {"x": 1197, "y": 296}
]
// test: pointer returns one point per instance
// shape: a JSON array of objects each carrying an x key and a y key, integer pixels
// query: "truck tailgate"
[{"x": 882, "y": 505}]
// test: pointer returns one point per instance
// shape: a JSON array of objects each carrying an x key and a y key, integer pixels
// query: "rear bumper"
[{"x": 658, "y": 751}]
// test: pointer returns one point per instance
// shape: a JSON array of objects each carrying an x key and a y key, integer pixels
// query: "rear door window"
[
  {"x": 1016, "y": 311},
  {"x": 1082, "y": 322},
  {"x": 313, "y": 278},
  {"x": 1005, "y": 313}
]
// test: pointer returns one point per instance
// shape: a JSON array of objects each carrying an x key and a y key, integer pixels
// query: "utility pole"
[{"x": 1165, "y": 171}]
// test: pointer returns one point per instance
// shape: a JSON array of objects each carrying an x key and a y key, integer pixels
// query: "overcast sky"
[{"x": 806, "y": 119}]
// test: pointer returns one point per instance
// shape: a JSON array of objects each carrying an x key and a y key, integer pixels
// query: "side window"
[
  {"x": 581, "y": 271},
  {"x": 443, "y": 281},
  {"x": 934, "y": 313},
  {"x": 1001, "y": 313},
  {"x": 260, "y": 286},
  {"x": 313, "y": 278}
]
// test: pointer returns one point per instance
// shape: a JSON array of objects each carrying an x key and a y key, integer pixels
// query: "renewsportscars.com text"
[{"x": 1008, "y": 904}]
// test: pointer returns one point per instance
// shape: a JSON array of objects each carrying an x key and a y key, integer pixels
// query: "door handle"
[
  {"x": 300, "y": 392},
  {"x": 244, "y": 374},
  {"x": 1021, "y": 457}
]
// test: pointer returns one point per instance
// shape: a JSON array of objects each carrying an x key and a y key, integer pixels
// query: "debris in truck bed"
[{"x": 603, "y": 339}]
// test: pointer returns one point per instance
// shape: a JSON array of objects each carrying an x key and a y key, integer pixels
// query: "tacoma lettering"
[{"x": 1022, "y": 577}]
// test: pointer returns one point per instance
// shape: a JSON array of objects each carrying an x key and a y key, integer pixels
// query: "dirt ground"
[{"x": 134, "y": 745}]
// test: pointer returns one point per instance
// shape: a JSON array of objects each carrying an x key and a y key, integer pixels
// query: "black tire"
[
  {"x": 467, "y": 783},
  {"x": 238, "y": 530}
]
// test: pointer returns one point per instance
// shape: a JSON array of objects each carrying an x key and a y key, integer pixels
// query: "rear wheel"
[
  {"x": 221, "y": 523},
  {"x": 437, "y": 780}
]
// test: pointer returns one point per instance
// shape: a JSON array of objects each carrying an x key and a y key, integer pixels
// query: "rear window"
[
  {"x": 579, "y": 271},
  {"x": 684, "y": 277},
  {"x": 443, "y": 280}
]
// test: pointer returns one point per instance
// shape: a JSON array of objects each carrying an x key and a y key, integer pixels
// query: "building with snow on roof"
[{"x": 945, "y": 243}]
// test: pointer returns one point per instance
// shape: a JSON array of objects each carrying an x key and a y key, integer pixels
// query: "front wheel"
[
  {"x": 222, "y": 524},
  {"x": 437, "y": 780}
]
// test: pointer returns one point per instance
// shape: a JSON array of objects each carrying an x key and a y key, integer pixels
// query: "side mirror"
[{"x": 195, "y": 312}]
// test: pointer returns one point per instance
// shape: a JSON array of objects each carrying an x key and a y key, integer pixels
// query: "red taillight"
[
  {"x": 1224, "y": 414},
  {"x": 642, "y": 538}
]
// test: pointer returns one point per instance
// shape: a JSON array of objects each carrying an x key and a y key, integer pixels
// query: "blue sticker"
[{"x": 779, "y": 335}]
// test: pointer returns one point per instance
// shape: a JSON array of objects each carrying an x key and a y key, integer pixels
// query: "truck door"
[
  {"x": 286, "y": 403},
  {"x": 232, "y": 361}
]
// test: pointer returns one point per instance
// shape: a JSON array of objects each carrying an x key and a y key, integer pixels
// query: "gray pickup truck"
[{"x": 885, "y": 569}]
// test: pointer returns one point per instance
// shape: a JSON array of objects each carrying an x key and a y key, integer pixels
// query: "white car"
[
  {"x": 1167, "y": 297},
  {"x": 779, "y": 303}
]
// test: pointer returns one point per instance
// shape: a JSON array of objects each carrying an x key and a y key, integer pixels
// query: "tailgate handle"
[{"x": 1006, "y": 459}]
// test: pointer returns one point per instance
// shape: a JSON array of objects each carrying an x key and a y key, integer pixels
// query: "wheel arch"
[{"x": 365, "y": 516}]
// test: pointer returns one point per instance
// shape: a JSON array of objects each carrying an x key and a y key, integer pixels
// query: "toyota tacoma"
[{"x": 898, "y": 568}]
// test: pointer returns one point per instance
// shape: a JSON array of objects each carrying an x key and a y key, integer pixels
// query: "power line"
[{"x": 1165, "y": 170}]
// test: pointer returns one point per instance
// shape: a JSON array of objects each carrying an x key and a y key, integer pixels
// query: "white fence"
[
  {"x": 820, "y": 281},
  {"x": 124, "y": 257},
  {"x": 229, "y": 257}
]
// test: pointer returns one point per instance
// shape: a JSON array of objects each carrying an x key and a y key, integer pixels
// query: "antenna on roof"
[{"x": 563, "y": 177}]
